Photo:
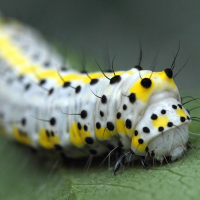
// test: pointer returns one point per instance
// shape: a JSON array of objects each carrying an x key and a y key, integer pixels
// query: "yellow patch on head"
[
  {"x": 181, "y": 113},
  {"x": 160, "y": 121},
  {"x": 49, "y": 140},
  {"x": 20, "y": 136}
]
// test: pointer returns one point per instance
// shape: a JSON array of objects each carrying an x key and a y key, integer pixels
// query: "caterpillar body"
[{"x": 46, "y": 104}]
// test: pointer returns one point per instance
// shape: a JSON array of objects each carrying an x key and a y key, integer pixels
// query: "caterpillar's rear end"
[{"x": 45, "y": 104}]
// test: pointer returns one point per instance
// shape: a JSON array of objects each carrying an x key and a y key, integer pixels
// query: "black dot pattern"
[
  {"x": 94, "y": 81},
  {"x": 83, "y": 114},
  {"x": 110, "y": 126},
  {"x": 140, "y": 141},
  {"x": 174, "y": 106},
  {"x": 101, "y": 114},
  {"x": 23, "y": 122},
  {"x": 115, "y": 79},
  {"x": 104, "y": 99},
  {"x": 27, "y": 86},
  {"x": 42, "y": 82},
  {"x": 79, "y": 126},
  {"x": 85, "y": 128},
  {"x": 182, "y": 119},
  {"x": 98, "y": 125},
  {"x": 89, "y": 140},
  {"x": 160, "y": 129},
  {"x": 136, "y": 132},
  {"x": 52, "y": 121},
  {"x": 78, "y": 89},
  {"x": 132, "y": 97},
  {"x": 154, "y": 117},
  {"x": 118, "y": 115},
  {"x": 47, "y": 133},
  {"x": 163, "y": 111},
  {"x": 52, "y": 134},
  {"x": 170, "y": 124},
  {"x": 66, "y": 84},
  {"x": 51, "y": 91},
  {"x": 146, "y": 130},
  {"x": 124, "y": 107},
  {"x": 128, "y": 124},
  {"x": 146, "y": 82},
  {"x": 169, "y": 72}
]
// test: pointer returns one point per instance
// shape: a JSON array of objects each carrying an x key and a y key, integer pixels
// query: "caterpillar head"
[{"x": 162, "y": 131}]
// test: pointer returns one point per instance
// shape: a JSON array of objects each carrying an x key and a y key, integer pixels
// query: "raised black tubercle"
[
  {"x": 169, "y": 72},
  {"x": 146, "y": 82},
  {"x": 115, "y": 79}
]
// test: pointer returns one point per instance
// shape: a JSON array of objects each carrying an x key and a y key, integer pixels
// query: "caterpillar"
[{"x": 47, "y": 105}]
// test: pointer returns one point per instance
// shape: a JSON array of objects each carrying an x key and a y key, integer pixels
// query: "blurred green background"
[
  {"x": 117, "y": 25},
  {"x": 95, "y": 25}
]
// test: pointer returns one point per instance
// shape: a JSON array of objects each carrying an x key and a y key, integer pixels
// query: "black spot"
[
  {"x": 110, "y": 147},
  {"x": 79, "y": 126},
  {"x": 182, "y": 119},
  {"x": 118, "y": 115},
  {"x": 110, "y": 126},
  {"x": 52, "y": 134},
  {"x": 63, "y": 69},
  {"x": 78, "y": 89},
  {"x": 170, "y": 124},
  {"x": 140, "y": 141},
  {"x": 180, "y": 106},
  {"x": 47, "y": 64},
  {"x": 93, "y": 152},
  {"x": 115, "y": 79},
  {"x": 23, "y": 122},
  {"x": 147, "y": 149},
  {"x": 160, "y": 129},
  {"x": 98, "y": 125},
  {"x": 154, "y": 117},
  {"x": 138, "y": 67},
  {"x": 103, "y": 99},
  {"x": 152, "y": 154},
  {"x": 120, "y": 144},
  {"x": 174, "y": 106},
  {"x": 47, "y": 133},
  {"x": 132, "y": 97},
  {"x": 85, "y": 128},
  {"x": 89, "y": 140},
  {"x": 101, "y": 114},
  {"x": 146, "y": 130},
  {"x": 128, "y": 124},
  {"x": 51, "y": 91},
  {"x": 188, "y": 118},
  {"x": 52, "y": 121},
  {"x": 58, "y": 147},
  {"x": 146, "y": 82},
  {"x": 169, "y": 72},
  {"x": 124, "y": 107},
  {"x": 27, "y": 86},
  {"x": 42, "y": 82},
  {"x": 136, "y": 132},
  {"x": 66, "y": 84},
  {"x": 83, "y": 114},
  {"x": 94, "y": 81},
  {"x": 163, "y": 111}
]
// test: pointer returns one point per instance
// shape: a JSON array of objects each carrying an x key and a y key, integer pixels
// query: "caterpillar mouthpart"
[{"x": 170, "y": 144}]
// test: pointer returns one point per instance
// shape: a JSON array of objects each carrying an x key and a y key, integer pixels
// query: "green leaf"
[{"x": 25, "y": 175}]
